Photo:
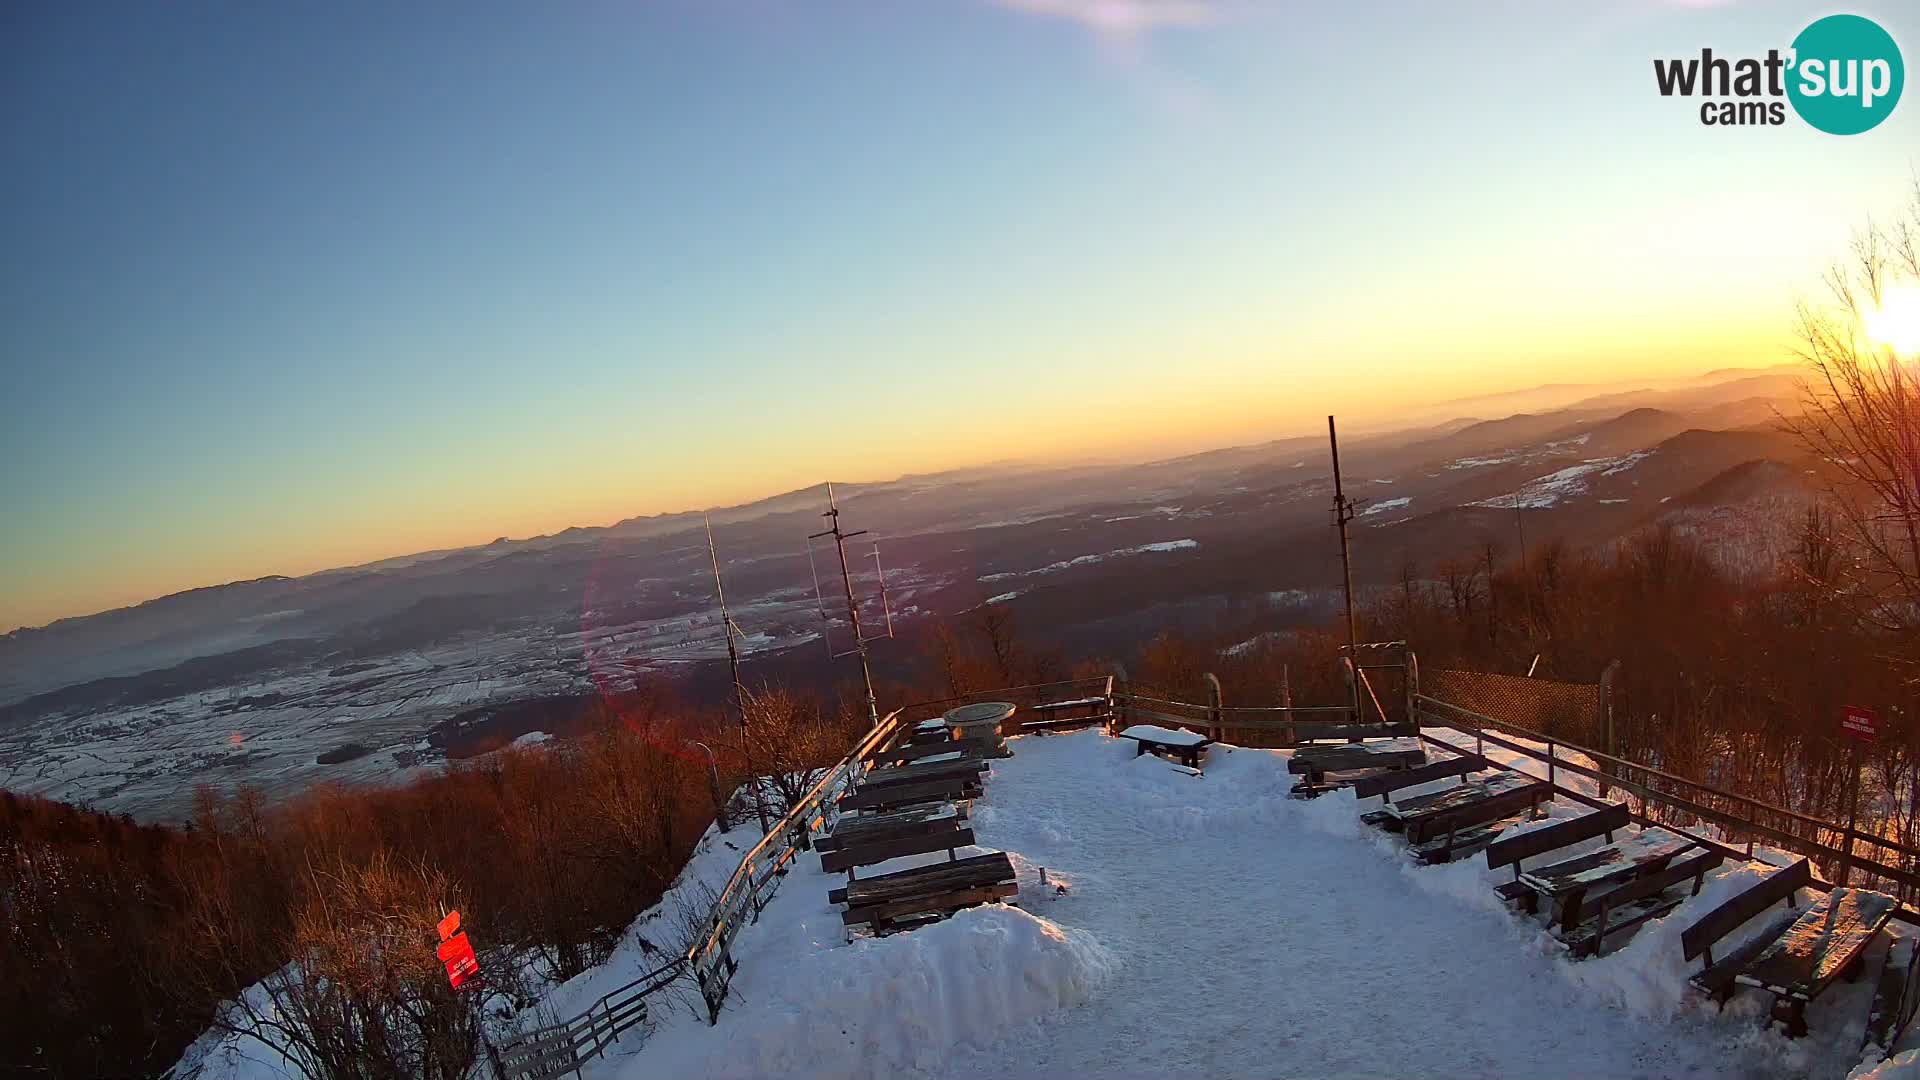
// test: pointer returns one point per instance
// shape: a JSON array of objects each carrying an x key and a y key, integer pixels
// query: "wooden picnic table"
[
  {"x": 926, "y": 891},
  {"x": 1317, "y": 761},
  {"x": 1186, "y": 745},
  {"x": 1565, "y": 883},
  {"x": 875, "y": 838},
  {"x": 945, "y": 787},
  {"x": 1416, "y": 813},
  {"x": 892, "y": 825},
  {"x": 1827, "y": 940}
]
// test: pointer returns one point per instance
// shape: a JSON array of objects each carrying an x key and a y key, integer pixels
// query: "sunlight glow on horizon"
[{"x": 570, "y": 268}]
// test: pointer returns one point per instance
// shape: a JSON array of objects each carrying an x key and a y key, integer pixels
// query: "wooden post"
[
  {"x": 1411, "y": 669},
  {"x": 1853, "y": 805},
  {"x": 1606, "y": 719},
  {"x": 1550, "y": 771},
  {"x": 1216, "y": 718},
  {"x": 1286, "y": 704}
]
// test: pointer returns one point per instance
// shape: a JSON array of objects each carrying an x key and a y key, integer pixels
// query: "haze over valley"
[{"x": 371, "y": 673}]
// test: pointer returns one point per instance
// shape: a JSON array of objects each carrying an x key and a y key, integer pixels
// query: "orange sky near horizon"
[{"x": 584, "y": 265}]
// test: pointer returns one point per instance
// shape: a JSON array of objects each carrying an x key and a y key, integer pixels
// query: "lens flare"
[{"x": 1895, "y": 322}]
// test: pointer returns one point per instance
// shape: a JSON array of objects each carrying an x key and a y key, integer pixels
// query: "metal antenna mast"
[
  {"x": 739, "y": 694},
  {"x": 1343, "y": 513},
  {"x": 860, "y": 639}
]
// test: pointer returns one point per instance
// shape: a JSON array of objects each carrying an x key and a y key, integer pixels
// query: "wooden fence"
[
  {"x": 1684, "y": 805},
  {"x": 562, "y": 1048}
]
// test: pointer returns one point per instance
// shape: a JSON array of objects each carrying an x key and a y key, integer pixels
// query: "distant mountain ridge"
[{"x": 495, "y": 580}]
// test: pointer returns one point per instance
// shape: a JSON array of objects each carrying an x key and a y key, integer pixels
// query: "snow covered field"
[{"x": 1210, "y": 927}]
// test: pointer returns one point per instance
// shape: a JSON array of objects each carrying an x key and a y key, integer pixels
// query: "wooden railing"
[
  {"x": 1681, "y": 805},
  {"x": 561, "y": 1048},
  {"x": 1283, "y": 725}
]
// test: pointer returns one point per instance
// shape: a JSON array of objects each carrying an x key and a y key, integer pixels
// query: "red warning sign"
[
  {"x": 457, "y": 952},
  {"x": 1862, "y": 724}
]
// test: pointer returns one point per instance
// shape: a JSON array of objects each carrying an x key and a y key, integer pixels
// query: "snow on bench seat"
[
  {"x": 1153, "y": 733},
  {"x": 1360, "y": 759},
  {"x": 1564, "y": 883},
  {"x": 1823, "y": 942},
  {"x": 1473, "y": 803}
]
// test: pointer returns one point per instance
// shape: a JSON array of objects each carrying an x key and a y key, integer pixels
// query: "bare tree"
[
  {"x": 1860, "y": 411},
  {"x": 791, "y": 741},
  {"x": 996, "y": 622},
  {"x": 362, "y": 996}
]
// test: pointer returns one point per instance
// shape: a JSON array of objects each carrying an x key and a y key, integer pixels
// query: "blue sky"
[{"x": 291, "y": 286}]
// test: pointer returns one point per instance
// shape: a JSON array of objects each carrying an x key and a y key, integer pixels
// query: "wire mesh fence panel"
[{"x": 1573, "y": 712}]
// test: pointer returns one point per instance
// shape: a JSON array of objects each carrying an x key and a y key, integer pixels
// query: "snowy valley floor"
[{"x": 1212, "y": 927}]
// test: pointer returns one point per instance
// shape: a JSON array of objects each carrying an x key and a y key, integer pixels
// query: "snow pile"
[{"x": 892, "y": 1006}]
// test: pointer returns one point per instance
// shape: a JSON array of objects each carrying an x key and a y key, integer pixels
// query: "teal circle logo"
[{"x": 1846, "y": 74}]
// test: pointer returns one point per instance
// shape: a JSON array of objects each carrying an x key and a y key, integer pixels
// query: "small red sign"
[
  {"x": 456, "y": 952},
  {"x": 1862, "y": 724}
]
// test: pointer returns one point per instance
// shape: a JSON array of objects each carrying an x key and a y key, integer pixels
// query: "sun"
[{"x": 1895, "y": 323}]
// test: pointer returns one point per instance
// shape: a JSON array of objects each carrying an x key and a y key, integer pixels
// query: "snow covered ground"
[
  {"x": 1212, "y": 927},
  {"x": 1571, "y": 482}
]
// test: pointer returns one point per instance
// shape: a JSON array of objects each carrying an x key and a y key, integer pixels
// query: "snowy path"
[{"x": 1253, "y": 941}]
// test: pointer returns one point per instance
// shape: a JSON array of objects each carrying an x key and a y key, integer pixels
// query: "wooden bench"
[
  {"x": 952, "y": 763},
  {"x": 911, "y": 752},
  {"x": 905, "y": 898},
  {"x": 930, "y": 731},
  {"x": 1591, "y": 919},
  {"x": 1716, "y": 980},
  {"x": 881, "y": 791},
  {"x": 1386, "y": 783},
  {"x": 876, "y": 838},
  {"x": 1826, "y": 942},
  {"x": 1188, "y": 746},
  {"x": 1565, "y": 884},
  {"x": 1896, "y": 995},
  {"x": 1315, "y": 762},
  {"x": 1308, "y": 732},
  {"x": 1061, "y": 714},
  {"x": 1445, "y": 825},
  {"x": 1512, "y": 850}
]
